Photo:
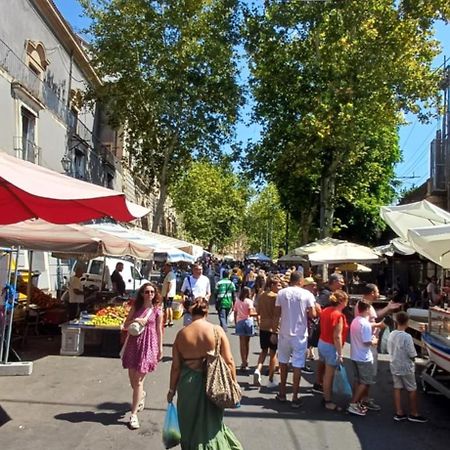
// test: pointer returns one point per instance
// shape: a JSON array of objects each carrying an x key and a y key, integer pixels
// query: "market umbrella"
[
  {"x": 30, "y": 191},
  {"x": 291, "y": 259},
  {"x": 345, "y": 252},
  {"x": 396, "y": 245},
  {"x": 316, "y": 246},
  {"x": 433, "y": 243},
  {"x": 413, "y": 215},
  {"x": 259, "y": 257},
  {"x": 353, "y": 267}
]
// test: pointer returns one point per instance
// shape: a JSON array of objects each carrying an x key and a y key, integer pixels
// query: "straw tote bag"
[{"x": 221, "y": 389}]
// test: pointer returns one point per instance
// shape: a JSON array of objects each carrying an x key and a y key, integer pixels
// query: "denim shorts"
[
  {"x": 328, "y": 353},
  {"x": 245, "y": 328}
]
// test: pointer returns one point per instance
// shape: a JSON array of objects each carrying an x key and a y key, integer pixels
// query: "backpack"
[{"x": 235, "y": 280}]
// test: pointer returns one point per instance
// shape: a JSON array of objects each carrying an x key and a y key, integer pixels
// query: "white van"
[{"x": 94, "y": 273}]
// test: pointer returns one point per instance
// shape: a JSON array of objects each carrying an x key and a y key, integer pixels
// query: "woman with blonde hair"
[
  {"x": 333, "y": 333},
  {"x": 201, "y": 421}
]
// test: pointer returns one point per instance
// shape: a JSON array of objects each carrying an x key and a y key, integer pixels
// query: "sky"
[{"x": 415, "y": 137}]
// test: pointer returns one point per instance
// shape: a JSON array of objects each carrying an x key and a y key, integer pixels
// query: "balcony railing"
[{"x": 27, "y": 150}]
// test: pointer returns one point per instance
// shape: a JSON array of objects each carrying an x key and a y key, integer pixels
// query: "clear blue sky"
[{"x": 415, "y": 138}]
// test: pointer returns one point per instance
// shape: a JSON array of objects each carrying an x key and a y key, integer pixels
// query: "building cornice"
[{"x": 67, "y": 37}]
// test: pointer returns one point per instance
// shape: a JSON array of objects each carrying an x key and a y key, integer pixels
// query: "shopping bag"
[
  {"x": 177, "y": 309},
  {"x": 341, "y": 385},
  {"x": 231, "y": 317},
  {"x": 171, "y": 435}
]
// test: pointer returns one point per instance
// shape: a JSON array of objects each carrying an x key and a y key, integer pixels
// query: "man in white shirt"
[
  {"x": 168, "y": 292},
  {"x": 76, "y": 294},
  {"x": 195, "y": 285},
  {"x": 293, "y": 306}
]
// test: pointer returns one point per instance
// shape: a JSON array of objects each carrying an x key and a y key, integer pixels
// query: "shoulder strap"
[
  {"x": 217, "y": 342},
  {"x": 149, "y": 313}
]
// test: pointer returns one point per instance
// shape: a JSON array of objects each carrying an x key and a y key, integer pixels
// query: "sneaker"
[
  {"x": 419, "y": 419},
  {"x": 400, "y": 417},
  {"x": 170, "y": 324},
  {"x": 354, "y": 408},
  {"x": 257, "y": 378},
  {"x": 141, "y": 405},
  {"x": 317, "y": 388},
  {"x": 307, "y": 370},
  {"x": 271, "y": 384},
  {"x": 371, "y": 405},
  {"x": 134, "y": 422}
]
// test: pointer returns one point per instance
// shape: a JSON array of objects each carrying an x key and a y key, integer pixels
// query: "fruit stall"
[{"x": 98, "y": 333}]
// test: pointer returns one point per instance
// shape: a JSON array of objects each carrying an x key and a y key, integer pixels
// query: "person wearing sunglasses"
[{"x": 142, "y": 353}]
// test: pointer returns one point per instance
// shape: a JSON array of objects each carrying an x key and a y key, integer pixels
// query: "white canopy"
[
  {"x": 160, "y": 243},
  {"x": 291, "y": 259},
  {"x": 414, "y": 215},
  {"x": 343, "y": 253},
  {"x": 70, "y": 239},
  {"x": 316, "y": 246},
  {"x": 396, "y": 245},
  {"x": 433, "y": 243}
]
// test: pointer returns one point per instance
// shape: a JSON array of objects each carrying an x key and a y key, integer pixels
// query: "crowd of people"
[{"x": 296, "y": 322}]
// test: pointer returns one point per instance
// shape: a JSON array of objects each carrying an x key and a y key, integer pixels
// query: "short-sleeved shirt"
[
  {"x": 372, "y": 318},
  {"x": 169, "y": 287},
  {"x": 242, "y": 309},
  {"x": 360, "y": 334},
  {"x": 401, "y": 348},
  {"x": 329, "y": 319},
  {"x": 265, "y": 307},
  {"x": 225, "y": 290},
  {"x": 295, "y": 303},
  {"x": 200, "y": 286}
]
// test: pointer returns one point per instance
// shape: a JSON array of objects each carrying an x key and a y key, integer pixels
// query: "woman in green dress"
[{"x": 201, "y": 422}]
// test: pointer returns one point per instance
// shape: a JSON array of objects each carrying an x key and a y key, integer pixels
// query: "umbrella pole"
[
  {"x": 30, "y": 273},
  {"x": 11, "y": 313},
  {"x": 3, "y": 322}
]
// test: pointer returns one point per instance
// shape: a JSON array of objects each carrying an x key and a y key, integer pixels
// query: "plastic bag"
[
  {"x": 177, "y": 309},
  {"x": 341, "y": 385},
  {"x": 171, "y": 434},
  {"x": 231, "y": 317}
]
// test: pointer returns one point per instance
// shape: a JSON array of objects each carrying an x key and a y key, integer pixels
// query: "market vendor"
[
  {"x": 117, "y": 279},
  {"x": 76, "y": 294}
]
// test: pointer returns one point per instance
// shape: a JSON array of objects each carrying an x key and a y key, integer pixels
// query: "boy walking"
[
  {"x": 401, "y": 348},
  {"x": 361, "y": 339}
]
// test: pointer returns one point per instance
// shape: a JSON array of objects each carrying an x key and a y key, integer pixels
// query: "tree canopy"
[
  {"x": 210, "y": 200},
  {"x": 331, "y": 81},
  {"x": 169, "y": 71}
]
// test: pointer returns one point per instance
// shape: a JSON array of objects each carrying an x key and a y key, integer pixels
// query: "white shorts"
[{"x": 292, "y": 347}]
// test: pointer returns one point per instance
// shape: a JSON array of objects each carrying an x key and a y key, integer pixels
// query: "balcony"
[{"x": 27, "y": 150}]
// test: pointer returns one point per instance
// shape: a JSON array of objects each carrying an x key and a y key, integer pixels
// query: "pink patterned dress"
[{"x": 141, "y": 352}]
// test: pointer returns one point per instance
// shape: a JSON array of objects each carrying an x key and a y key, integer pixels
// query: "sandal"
[
  {"x": 297, "y": 403},
  {"x": 134, "y": 422},
  {"x": 281, "y": 398},
  {"x": 141, "y": 404},
  {"x": 331, "y": 406}
]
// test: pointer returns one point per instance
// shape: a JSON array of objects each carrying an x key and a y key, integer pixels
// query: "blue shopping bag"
[
  {"x": 171, "y": 435},
  {"x": 341, "y": 385}
]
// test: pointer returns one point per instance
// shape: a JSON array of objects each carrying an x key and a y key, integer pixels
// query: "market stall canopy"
[
  {"x": 163, "y": 251},
  {"x": 261, "y": 257},
  {"x": 30, "y": 191},
  {"x": 396, "y": 245},
  {"x": 345, "y": 252},
  {"x": 413, "y": 215},
  {"x": 70, "y": 240},
  {"x": 432, "y": 243},
  {"x": 316, "y": 246},
  {"x": 291, "y": 259},
  {"x": 353, "y": 267}
]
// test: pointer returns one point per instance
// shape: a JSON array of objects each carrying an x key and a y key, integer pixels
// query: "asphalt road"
[{"x": 82, "y": 403}]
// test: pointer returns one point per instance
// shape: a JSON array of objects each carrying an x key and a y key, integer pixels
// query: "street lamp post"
[{"x": 66, "y": 163}]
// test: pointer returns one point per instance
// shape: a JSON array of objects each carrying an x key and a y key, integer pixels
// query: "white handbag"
[{"x": 135, "y": 328}]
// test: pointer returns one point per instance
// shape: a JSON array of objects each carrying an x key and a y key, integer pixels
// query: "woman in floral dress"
[{"x": 142, "y": 353}]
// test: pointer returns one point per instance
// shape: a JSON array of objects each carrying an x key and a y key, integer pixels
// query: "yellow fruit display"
[{"x": 111, "y": 316}]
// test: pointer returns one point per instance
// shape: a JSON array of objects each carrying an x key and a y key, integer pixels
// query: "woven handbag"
[{"x": 221, "y": 389}]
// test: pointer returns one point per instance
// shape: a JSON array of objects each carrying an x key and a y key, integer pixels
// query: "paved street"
[{"x": 81, "y": 403}]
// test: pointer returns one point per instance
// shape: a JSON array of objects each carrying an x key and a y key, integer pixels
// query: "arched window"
[{"x": 36, "y": 57}]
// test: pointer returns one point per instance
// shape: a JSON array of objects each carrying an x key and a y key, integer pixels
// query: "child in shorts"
[
  {"x": 361, "y": 339},
  {"x": 401, "y": 349}
]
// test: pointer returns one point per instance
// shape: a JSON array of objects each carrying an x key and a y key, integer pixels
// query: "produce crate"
[{"x": 72, "y": 341}]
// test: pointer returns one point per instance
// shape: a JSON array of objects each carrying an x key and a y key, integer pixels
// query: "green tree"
[
  {"x": 211, "y": 201},
  {"x": 265, "y": 223},
  {"x": 170, "y": 81},
  {"x": 330, "y": 82}
]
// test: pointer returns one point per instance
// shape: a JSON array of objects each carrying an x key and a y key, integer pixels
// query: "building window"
[
  {"x": 29, "y": 148},
  {"x": 36, "y": 58},
  {"x": 79, "y": 165},
  {"x": 109, "y": 181}
]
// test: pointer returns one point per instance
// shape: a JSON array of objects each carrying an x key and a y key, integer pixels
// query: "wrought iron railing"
[{"x": 26, "y": 149}]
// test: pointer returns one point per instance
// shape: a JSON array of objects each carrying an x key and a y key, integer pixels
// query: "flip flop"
[
  {"x": 281, "y": 398},
  {"x": 331, "y": 406}
]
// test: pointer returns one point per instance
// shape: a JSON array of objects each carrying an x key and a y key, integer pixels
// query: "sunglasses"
[{"x": 149, "y": 292}]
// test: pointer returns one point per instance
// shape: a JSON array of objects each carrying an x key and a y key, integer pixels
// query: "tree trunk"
[
  {"x": 327, "y": 196},
  {"x": 306, "y": 220},
  {"x": 158, "y": 225}
]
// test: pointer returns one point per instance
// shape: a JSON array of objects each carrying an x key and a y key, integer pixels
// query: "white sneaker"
[
  {"x": 272, "y": 384},
  {"x": 354, "y": 408},
  {"x": 257, "y": 378},
  {"x": 134, "y": 422}
]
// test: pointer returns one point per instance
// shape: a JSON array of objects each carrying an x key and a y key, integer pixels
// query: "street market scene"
[{"x": 224, "y": 224}]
